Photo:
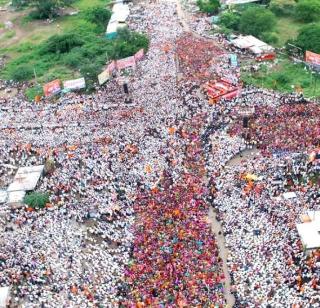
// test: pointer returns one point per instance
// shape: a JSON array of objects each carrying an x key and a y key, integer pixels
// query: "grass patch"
[
  {"x": 85, "y": 4},
  {"x": 9, "y": 34},
  {"x": 287, "y": 28},
  {"x": 32, "y": 92},
  {"x": 3, "y": 2},
  {"x": 283, "y": 76}
]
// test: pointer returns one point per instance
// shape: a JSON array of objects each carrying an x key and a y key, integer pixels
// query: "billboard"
[
  {"x": 52, "y": 87},
  {"x": 104, "y": 77},
  {"x": 111, "y": 67},
  {"x": 139, "y": 55},
  {"x": 74, "y": 84},
  {"x": 313, "y": 58},
  {"x": 126, "y": 62}
]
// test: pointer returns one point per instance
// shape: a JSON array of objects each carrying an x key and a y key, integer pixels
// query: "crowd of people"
[{"x": 130, "y": 187}]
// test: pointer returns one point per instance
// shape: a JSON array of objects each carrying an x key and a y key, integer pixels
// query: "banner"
[
  {"x": 111, "y": 67},
  {"x": 103, "y": 77},
  {"x": 313, "y": 58},
  {"x": 139, "y": 55},
  {"x": 52, "y": 87},
  {"x": 74, "y": 84},
  {"x": 125, "y": 63}
]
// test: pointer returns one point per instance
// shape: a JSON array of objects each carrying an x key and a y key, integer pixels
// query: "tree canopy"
[
  {"x": 230, "y": 20},
  {"x": 308, "y": 10},
  {"x": 44, "y": 8},
  {"x": 209, "y": 6},
  {"x": 282, "y": 7},
  {"x": 309, "y": 38},
  {"x": 257, "y": 20}
]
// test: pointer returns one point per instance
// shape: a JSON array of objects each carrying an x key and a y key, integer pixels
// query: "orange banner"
[
  {"x": 312, "y": 58},
  {"x": 52, "y": 87}
]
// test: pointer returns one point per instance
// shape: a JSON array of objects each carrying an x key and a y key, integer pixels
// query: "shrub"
[
  {"x": 22, "y": 73},
  {"x": 36, "y": 199},
  {"x": 270, "y": 37},
  {"x": 62, "y": 43},
  {"x": 32, "y": 92},
  {"x": 99, "y": 16},
  {"x": 73, "y": 59},
  {"x": 282, "y": 78}
]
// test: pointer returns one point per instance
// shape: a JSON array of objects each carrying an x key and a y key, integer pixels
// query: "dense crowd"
[{"x": 130, "y": 186}]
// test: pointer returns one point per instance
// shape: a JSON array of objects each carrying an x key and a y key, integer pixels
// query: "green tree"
[
  {"x": 257, "y": 20},
  {"x": 36, "y": 199},
  {"x": 282, "y": 7},
  {"x": 230, "y": 20},
  {"x": 99, "y": 16},
  {"x": 210, "y": 7},
  {"x": 308, "y": 10},
  {"x": 47, "y": 8},
  {"x": 19, "y": 3},
  {"x": 309, "y": 38}
]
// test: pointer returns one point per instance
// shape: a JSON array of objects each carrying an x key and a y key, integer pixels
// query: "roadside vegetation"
[{"x": 75, "y": 45}]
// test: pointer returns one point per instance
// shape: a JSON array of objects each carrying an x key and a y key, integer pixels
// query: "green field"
[
  {"x": 287, "y": 28},
  {"x": 285, "y": 77}
]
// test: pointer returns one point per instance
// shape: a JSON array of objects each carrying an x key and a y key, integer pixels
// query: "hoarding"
[
  {"x": 313, "y": 59},
  {"x": 126, "y": 62},
  {"x": 74, "y": 84},
  {"x": 103, "y": 77},
  {"x": 139, "y": 55},
  {"x": 52, "y": 87}
]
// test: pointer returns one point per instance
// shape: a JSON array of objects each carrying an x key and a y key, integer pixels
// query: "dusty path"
[{"x": 223, "y": 252}]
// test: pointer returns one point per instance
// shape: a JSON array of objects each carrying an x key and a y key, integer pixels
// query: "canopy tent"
[
  {"x": 252, "y": 44},
  {"x": 26, "y": 178},
  {"x": 309, "y": 233},
  {"x": 120, "y": 12},
  {"x": 289, "y": 195},
  {"x": 4, "y": 296}
]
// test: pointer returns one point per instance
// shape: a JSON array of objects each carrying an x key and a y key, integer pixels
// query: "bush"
[
  {"x": 22, "y": 73},
  {"x": 36, "y": 200},
  {"x": 282, "y": 78},
  {"x": 32, "y": 92},
  {"x": 210, "y": 7},
  {"x": 308, "y": 10},
  {"x": 62, "y": 43},
  {"x": 128, "y": 43},
  {"x": 73, "y": 59},
  {"x": 282, "y": 7},
  {"x": 270, "y": 37},
  {"x": 230, "y": 20},
  {"x": 257, "y": 20},
  {"x": 309, "y": 38},
  {"x": 99, "y": 16}
]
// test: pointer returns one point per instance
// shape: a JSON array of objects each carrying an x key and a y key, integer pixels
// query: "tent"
[
  {"x": 289, "y": 195},
  {"x": 310, "y": 234},
  {"x": 4, "y": 296},
  {"x": 252, "y": 44}
]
